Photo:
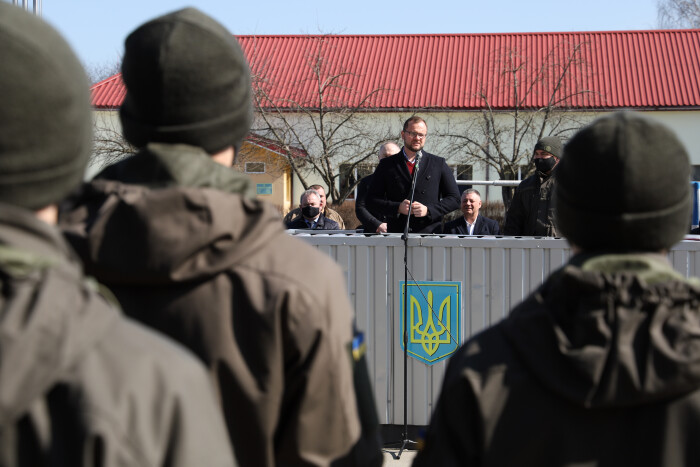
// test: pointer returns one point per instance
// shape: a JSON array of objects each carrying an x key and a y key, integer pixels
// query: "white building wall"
[{"x": 685, "y": 123}]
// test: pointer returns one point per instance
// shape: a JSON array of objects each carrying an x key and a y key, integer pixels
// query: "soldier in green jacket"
[
  {"x": 531, "y": 210},
  {"x": 175, "y": 234},
  {"x": 80, "y": 385},
  {"x": 599, "y": 366}
]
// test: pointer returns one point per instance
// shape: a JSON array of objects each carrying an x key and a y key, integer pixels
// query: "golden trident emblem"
[{"x": 429, "y": 336}]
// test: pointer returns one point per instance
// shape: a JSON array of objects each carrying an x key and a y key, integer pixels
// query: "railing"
[{"x": 496, "y": 274}]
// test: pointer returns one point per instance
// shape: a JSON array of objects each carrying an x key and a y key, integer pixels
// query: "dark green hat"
[
  {"x": 623, "y": 185},
  {"x": 551, "y": 144},
  {"x": 187, "y": 82},
  {"x": 45, "y": 117}
]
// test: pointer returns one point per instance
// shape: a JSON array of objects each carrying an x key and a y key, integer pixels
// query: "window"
[
  {"x": 255, "y": 167},
  {"x": 525, "y": 171},
  {"x": 521, "y": 173},
  {"x": 350, "y": 175},
  {"x": 696, "y": 173},
  {"x": 462, "y": 172}
]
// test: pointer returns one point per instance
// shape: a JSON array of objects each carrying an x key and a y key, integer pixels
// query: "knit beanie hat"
[
  {"x": 187, "y": 82},
  {"x": 45, "y": 119},
  {"x": 623, "y": 185},
  {"x": 551, "y": 144}
]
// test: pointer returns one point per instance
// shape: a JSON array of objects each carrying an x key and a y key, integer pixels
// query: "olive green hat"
[
  {"x": 623, "y": 185},
  {"x": 45, "y": 116},
  {"x": 551, "y": 144},
  {"x": 187, "y": 82}
]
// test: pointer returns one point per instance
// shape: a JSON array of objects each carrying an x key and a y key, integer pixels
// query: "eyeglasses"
[{"x": 413, "y": 134}]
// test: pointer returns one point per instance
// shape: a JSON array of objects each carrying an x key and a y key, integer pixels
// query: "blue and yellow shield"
[{"x": 434, "y": 319}]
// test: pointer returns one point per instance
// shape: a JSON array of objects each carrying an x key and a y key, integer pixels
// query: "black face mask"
[
  {"x": 310, "y": 212},
  {"x": 545, "y": 165}
]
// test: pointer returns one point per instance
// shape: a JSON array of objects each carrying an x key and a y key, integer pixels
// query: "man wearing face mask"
[
  {"x": 531, "y": 211},
  {"x": 311, "y": 218}
]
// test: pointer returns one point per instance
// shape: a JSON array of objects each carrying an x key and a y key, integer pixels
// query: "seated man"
[
  {"x": 311, "y": 217},
  {"x": 599, "y": 365},
  {"x": 472, "y": 223},
  {"x": 326, "y": 211}
]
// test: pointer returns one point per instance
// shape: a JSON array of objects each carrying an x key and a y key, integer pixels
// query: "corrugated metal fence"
[{"x": 496, "y": 274}]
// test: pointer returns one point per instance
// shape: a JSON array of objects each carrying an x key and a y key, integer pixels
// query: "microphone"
[{"x": 419, "y": 154}]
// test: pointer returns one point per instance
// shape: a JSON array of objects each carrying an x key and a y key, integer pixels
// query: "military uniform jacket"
[
  {"x": 531, "y": 211},
  {"x": 597, "y": 367},
  {"x": 435, "y": 188},
  {"x": 80, "y": 385},
  {"x": 267, "y": 313}
]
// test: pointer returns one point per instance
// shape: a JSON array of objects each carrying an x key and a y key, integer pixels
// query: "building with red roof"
[{"x": 462, "y": 82}]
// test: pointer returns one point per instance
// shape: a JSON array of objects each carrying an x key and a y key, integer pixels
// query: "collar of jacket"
[
  {"x": 29, "y": 244},
  {"x": 652, "y": 268},
  {"x": 160, "y": 164}
]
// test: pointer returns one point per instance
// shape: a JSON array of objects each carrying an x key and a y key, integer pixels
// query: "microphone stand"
[{"x": 405, "y": 441}]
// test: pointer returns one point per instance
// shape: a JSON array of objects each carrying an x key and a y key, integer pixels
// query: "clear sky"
[{"x": 97, "y": 28}]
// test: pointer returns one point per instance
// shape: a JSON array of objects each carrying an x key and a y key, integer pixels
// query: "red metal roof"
[
  {"x": 274, "y": 146},
  {"x": 108, "y": 93},
  {"x": 610, "y": 69}
]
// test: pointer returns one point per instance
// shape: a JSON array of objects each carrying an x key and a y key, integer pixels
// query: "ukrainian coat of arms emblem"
[{"x": 434, "y": 313}]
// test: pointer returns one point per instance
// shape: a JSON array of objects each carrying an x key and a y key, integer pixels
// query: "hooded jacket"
[
  {"x": 599, "y": 367},
  {"x": 79, "y": 384},
  {"x": 214, "y": 270},
  {"x": 531, "y": 210}
]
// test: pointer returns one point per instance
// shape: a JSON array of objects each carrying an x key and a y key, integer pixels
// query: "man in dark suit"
[
  {"x": 372, "y": 222},
  {"x": 472, "y": 223},
  {"x": 436, "y": 191},
  {"x": 311, "y": 217}
]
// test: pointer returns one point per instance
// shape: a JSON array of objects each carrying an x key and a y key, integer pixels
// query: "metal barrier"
[{"x": 496, "y": 274}]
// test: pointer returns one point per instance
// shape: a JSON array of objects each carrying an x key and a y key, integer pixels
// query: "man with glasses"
[{"x": 436, "y": 191}]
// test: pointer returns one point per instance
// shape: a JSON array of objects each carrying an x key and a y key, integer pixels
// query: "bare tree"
[
  {"x": 332, "y": 126},
  {"x": 503, "y": 134},
  {"x": 675, "y": 14},
  {"x": 96, "y": 72},
  {"x": 109, "y": 145}
]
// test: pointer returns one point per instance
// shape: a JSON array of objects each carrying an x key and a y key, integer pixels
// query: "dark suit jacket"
[
  {"x": 435, "y": 187},
  {"x": 483, "y": 226},
  {"x": 370, "y": 218},
  {"x": 323, "y": 223}
]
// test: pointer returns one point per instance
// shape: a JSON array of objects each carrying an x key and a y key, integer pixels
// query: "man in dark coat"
[
  {"x": 599, "y": 365},
  {"x": 326, "y": 210},
  {"x": 174, "y": 234},
  {"x": 531, "y": 210},
  {"x": 372, "y": 222},
  {"x": 311, "y": 216},
  {"x": 436, "y": 191},
  {"x": 80, "y": 385},
  {"x": 471, "y": 223}
]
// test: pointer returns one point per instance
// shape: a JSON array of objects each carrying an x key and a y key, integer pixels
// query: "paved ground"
[{"x": 391, "y": 461}]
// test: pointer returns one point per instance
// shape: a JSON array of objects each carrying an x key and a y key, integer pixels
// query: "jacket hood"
[
  {"x": 611, "y": 330},
  {"x": 144, "y": 234},
  {"x": 49, "y": 316}
]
